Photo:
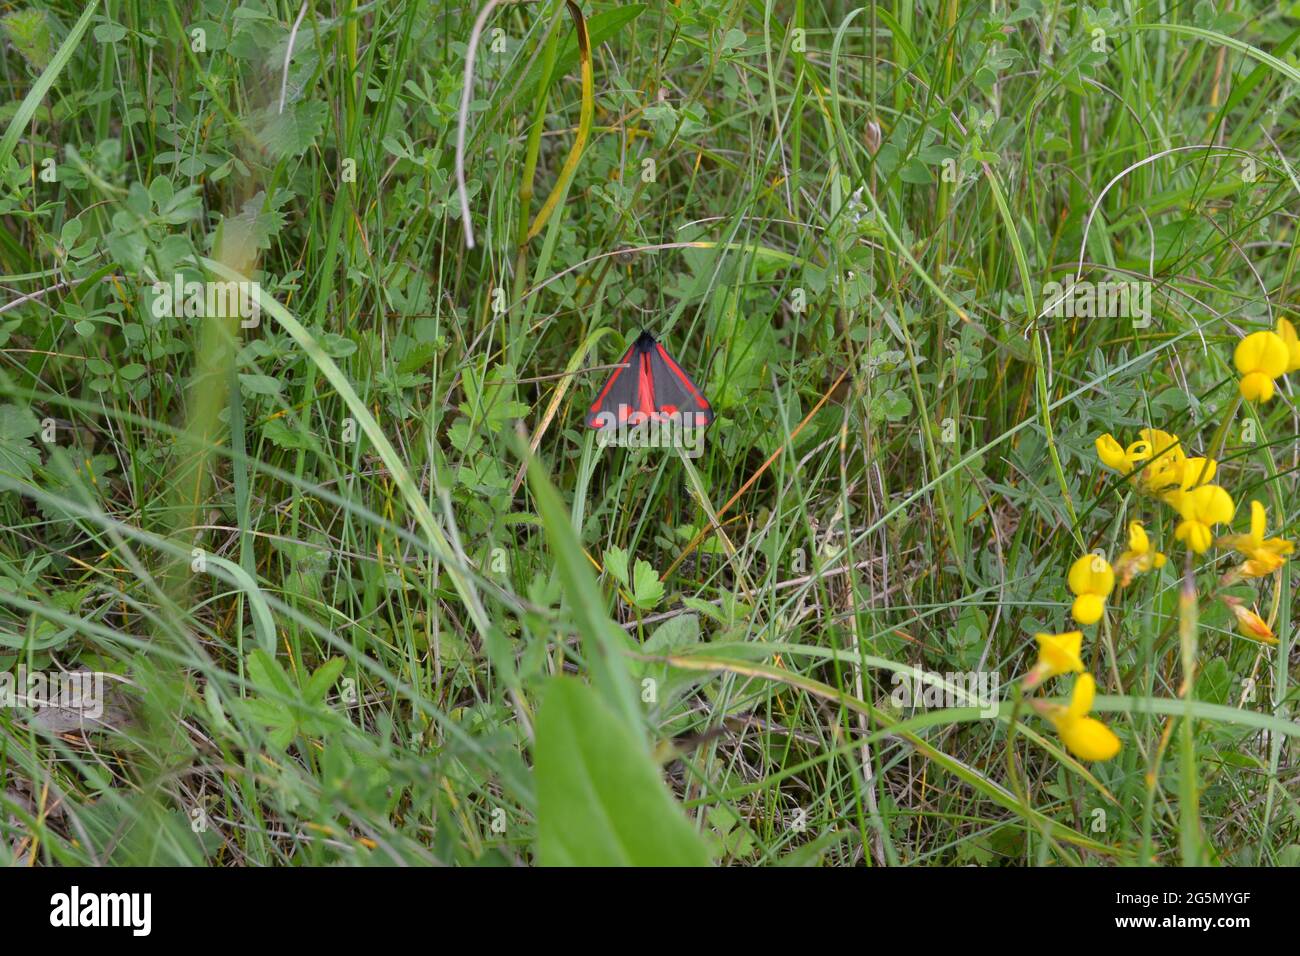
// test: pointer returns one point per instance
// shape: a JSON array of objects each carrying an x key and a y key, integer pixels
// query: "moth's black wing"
[
  {"x": 674, "y": 392},
  {"x": 620, "y": 390}
]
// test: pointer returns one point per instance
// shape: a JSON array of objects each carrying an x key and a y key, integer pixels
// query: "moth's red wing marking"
[
  {"x": 654, "y": 386},
  {"x": 675, "y": 390},
  {"x": 620, "y": 389},
  {"x": 645, "y": 387}
]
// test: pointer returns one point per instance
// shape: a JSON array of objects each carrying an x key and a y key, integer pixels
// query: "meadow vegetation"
[{"x": 302, "y": 310}]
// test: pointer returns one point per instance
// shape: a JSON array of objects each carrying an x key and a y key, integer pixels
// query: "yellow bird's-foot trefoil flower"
[
  {"x": 1139, "y": 557},
  {"x": 1091, "y": 580},
  {"x": 1057, "y": 654},
  {"x": 1201, "y": 509},
  {"x": 1118, "y": 458},
  {"x": 1164, "y": 470},
  {"x": 1249, "y": 623},
  {"x": 1167, "y": 468},
  {"x": 1085, "y": 737},
  {"x": 1263, "y": 555},
  {"x": 1190, "y": 473},
  {"x": 1170, "y": 470},
  {"x": 1286, "y": 331},
  {"x": 1260, "y": 357}
]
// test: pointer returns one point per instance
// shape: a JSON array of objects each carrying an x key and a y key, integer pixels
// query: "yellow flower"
[
  {"x": 1125, "y": 459},
  {"x": 1091, "y": 579},
  {"x": 1288, "y": 335},
  {"x": 1201, "y": 509},
  {"x": 1057, "y": 654},
  {"x": 1085, "y": 737},
  {"x": 1263, "y": 555},
  {"x": 1165, "y": 469},
  {"x": 1260, "y": 357},
  {"x": 1114, "y": 457},
  {"x": 1139, "y": 557},
  {"x": 1193, "y": 472},
  {"x": 1250, "y": 623}
]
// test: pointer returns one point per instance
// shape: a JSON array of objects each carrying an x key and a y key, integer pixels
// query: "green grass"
[{"x": 368, "y": 592}]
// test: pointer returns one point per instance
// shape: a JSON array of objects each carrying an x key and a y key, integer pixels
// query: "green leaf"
[
  {"x": 161, "y": 191},
  {"x": 17, "y": 453},
  {"x": 604, "y": 643},
  {"x": 915, "y": 172},
  {"x": 680, "y": 634},
  {"x": 319, "y": 684},
  {"x": 29, "y": 32},
  {"x": 258, "y": 221},
  {"x": 600, "y": 798},
  {"x": 1286, "y": 69},
  {"x": 616, "y": 565},
  {"x": 267, "y": 674},
  {"x": 292, "y": 132},
  {"x": 109, "y": 32},
  {"x": 647, "y": 589},
  {"x": 277, "y": 432},
  {"x": 268, "y": 712},
  {"x": 673, "y": 635},
  {"x": 259, "y": 384}
]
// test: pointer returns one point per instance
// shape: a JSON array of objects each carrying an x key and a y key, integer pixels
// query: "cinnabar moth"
[{"x": 649, "y": 385}]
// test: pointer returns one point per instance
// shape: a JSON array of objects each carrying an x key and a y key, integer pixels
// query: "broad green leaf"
[
  {"x": 603, "y": 642},
  {"x": 109, "y": 32},
  {"x": 647, "y": 589},
  {"x": 616, "y": 565},
  {"x": 17, "y": 453},
  {"x": 277, "y": 432},
  {"x": 600, "y": 798},
  {"x": 673, "y": 634},
  {"x": 29, "y": 32},
  {"x": 291, "y": 133},
  {"x": 676, "y": 635},
  {"x": 268, "y": 675},
  {"x": 271, "y": 713},
  {"x": 260, "y": 384},
  {"x": 319, "y": 684}
]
